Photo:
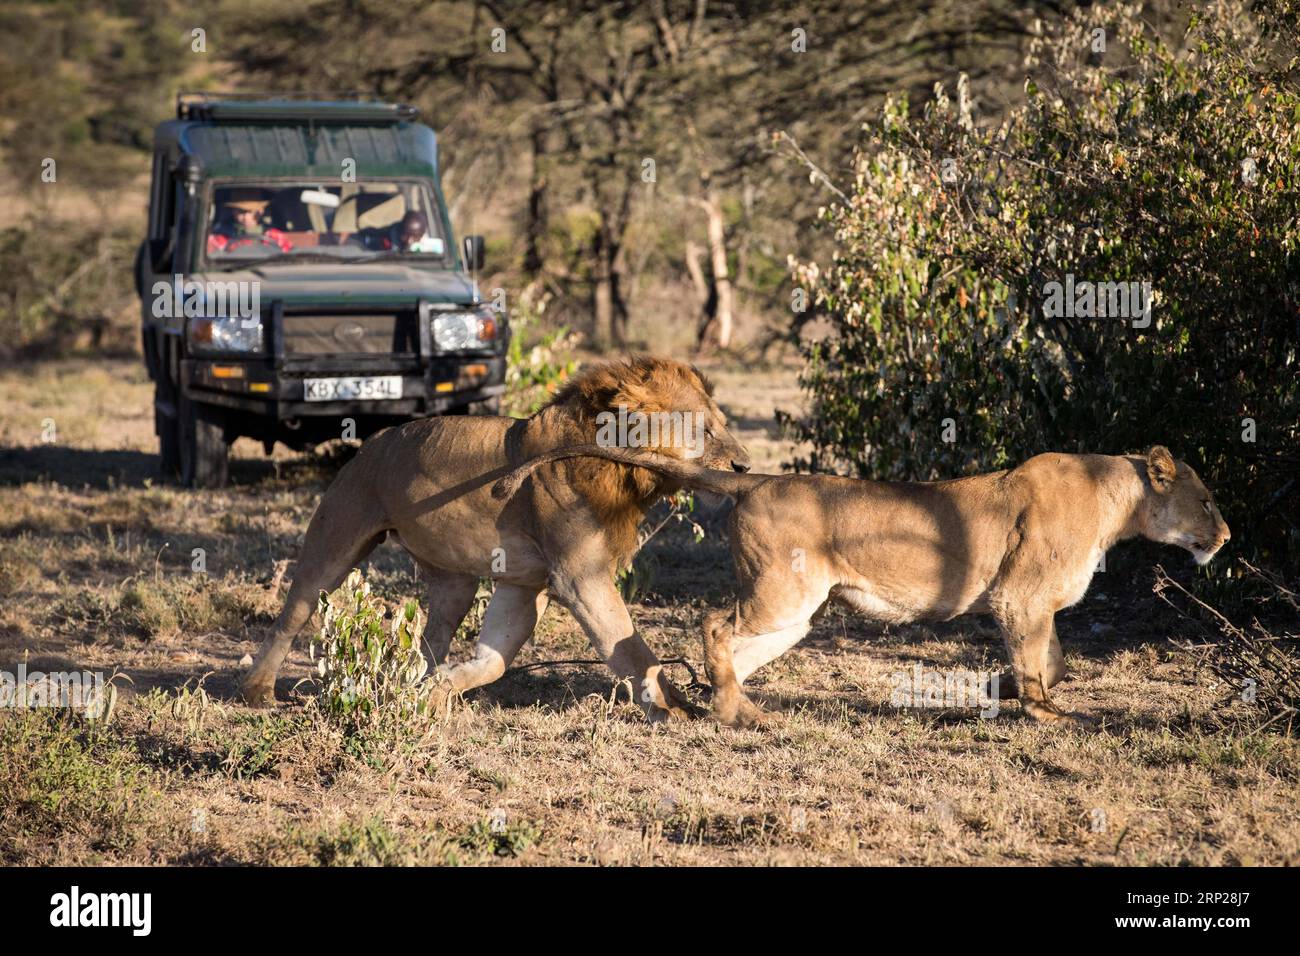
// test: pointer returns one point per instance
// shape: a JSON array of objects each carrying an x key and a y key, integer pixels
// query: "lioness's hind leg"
[
  {"x": 751, "y": 653},
  {"x": 737, "y": 644},
  {"x": 1054, "y": 667},
  {"x": 730, "y": 705}
]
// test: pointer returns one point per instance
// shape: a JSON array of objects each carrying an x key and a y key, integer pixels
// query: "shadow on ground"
[{"x": 105, "y": 469}]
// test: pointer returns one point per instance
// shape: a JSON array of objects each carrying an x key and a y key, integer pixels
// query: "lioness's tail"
[{"x": 729, "y": 483}]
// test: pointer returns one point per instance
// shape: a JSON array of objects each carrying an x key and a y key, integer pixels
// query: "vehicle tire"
[
  {"x": 169, "y": 449},
  {"x": 203, "y": 451}
]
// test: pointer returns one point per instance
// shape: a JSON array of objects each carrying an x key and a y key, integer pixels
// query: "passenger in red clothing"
[{"x": 240, "y": 224}]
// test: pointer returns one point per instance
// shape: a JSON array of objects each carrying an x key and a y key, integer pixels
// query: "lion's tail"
[{"x": 730, "y": 483}]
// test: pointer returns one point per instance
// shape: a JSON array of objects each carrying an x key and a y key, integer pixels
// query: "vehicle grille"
[{"x": 390, "y": 334}]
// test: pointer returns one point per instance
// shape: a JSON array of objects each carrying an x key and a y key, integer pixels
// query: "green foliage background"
[{"x": 1175, "y": 165}]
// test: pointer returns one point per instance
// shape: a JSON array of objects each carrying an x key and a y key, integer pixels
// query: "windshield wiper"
[
  {"x": 299, "y": 257},
  {"x": 400, "y": 254},
  {"x": 283, "y": 257}
]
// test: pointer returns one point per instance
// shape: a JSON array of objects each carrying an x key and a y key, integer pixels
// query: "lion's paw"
[{"x": 258, "y": 693}]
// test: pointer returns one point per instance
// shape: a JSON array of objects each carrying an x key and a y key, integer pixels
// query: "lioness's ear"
[{"x": 1161, "y": 468}]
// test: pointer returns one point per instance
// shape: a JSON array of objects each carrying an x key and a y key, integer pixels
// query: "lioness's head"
[
  {"x": 655, "y": 404},
  {"x": 1180, "y": 509}
]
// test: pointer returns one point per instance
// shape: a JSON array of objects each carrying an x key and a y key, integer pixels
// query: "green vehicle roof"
[{"x": 304, "y": 139}]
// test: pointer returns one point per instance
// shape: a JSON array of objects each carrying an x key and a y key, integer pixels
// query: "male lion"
[
  {"x": 428, "y": 483},
  {"x": 1018, "y": 544}
]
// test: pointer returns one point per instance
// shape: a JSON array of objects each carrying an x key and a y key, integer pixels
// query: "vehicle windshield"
[{"x": 251, "y": 222}]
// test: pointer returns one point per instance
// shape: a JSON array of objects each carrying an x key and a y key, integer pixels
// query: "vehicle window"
[{"x": 247, "y": 222}]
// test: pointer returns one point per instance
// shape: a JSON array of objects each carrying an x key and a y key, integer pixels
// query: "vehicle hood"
[{"x": 389, "y": 284}]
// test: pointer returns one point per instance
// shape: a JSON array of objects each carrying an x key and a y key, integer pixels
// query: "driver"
[{"x": 240, "y": 224}]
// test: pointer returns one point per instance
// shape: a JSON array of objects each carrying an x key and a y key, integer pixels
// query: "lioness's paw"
[
  {"x": 742, "y": 713},
  {"x": 665, "y": 715},
  {"x": 753, "y": 717},
  {"x": 1048, "y": 714}
]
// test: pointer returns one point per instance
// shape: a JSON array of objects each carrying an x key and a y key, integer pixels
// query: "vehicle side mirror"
[{"x": 475, "y": 252}]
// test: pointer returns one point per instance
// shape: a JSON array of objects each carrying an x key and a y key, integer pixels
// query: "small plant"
[
  {"x": 62, "y": 773},
  {"x": 493, "y": 836},
  {"x": 1258, "y": 663},
  {"x": 257, "y": 747},
  {"x": 370, "y": 669},
  {"x": 473, "y": 621},
  {"x": 639, "y": 576},
  {"x": 190, "y": 708},
  {"x": 536, "y": 367}
]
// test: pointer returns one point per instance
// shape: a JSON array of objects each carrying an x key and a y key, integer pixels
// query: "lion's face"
[
  {"x": 1182, "y": 510},
  {"x": 719, "y": 447},
  {"x": 664, "y": 406}
]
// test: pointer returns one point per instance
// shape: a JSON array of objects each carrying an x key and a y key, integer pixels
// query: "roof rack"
[{"x": 319, "y": 107}]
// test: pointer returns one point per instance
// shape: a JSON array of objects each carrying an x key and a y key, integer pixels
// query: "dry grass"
[{"x": 553, "y": 766}]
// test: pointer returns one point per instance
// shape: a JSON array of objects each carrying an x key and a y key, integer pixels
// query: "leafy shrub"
[
  {"x": 1143, "y": 163},
  {"x": 370, "y": 669},
  {"x": 638, "y": 577}
]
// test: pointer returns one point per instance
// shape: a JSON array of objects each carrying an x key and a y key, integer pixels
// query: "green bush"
[
  {"x": 370, "y": 668},
  {"x": 1142, "y": 163}
]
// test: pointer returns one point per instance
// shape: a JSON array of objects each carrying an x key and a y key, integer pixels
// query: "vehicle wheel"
[
  {"x": 169, "y": 449},
  {"x": 204, "y": 453}
]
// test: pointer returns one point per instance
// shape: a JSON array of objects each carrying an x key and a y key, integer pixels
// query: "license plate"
[{"x": 372, "y": 388}]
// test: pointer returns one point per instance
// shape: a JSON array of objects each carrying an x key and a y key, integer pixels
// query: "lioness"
[
  {"x": 428, "y": 483},
  {"x": 1018, "y": 544}
]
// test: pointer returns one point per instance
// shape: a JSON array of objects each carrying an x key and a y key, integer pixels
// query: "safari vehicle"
[{"x": 300, "y": 282}]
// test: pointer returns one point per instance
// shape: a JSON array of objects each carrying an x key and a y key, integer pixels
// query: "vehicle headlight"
[
  {"x": 458, "y": 331},
  {"x": 225, "y": 334}
]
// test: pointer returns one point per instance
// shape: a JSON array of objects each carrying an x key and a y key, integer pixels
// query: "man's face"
[
  {"x": 411, "y": 232},
  {"x": 247, "y": 218}
]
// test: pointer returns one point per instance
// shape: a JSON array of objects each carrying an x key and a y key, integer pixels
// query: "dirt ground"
[{"x": 554, "y": 765}]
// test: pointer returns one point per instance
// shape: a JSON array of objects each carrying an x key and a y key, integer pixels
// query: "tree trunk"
[
  {"x": 706, "y": 292},
  {"x": 615, "y": 265},
  {"x": 693, "y": 252},
  {"x": 608, "y": 302},
  {"x": 602, "y": 303},
  {"x": 535, "y": 228},
  {"x": 717, "y": 326}
]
